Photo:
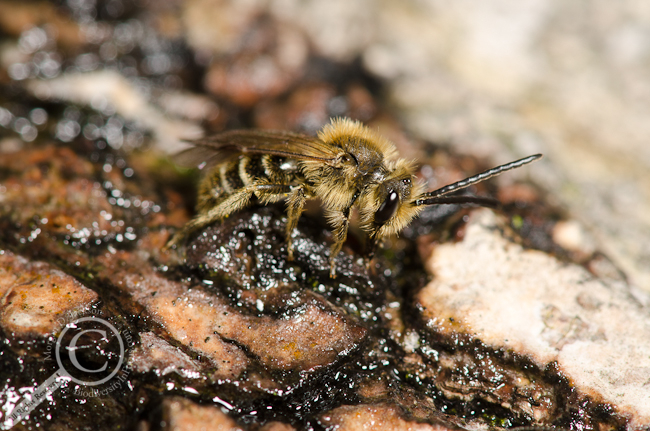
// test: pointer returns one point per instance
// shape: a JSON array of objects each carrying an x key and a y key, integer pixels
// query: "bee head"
[
  {"x": 386, "y": 207},
  {"x": 390, "y": 194}
]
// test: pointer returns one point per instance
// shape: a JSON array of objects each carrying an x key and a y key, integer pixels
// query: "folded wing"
[{"x": 221, "y": 147}]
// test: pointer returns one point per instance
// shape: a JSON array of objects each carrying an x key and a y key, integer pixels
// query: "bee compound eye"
[
  {"x": 387, "y": 208},
  {"x": 347, "y": 158}
]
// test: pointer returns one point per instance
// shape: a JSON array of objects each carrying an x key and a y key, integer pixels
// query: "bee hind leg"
[{"x": 233, "y": 203}]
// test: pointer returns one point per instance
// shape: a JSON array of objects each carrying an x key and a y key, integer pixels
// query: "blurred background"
[{"x": 493, "y": 79}]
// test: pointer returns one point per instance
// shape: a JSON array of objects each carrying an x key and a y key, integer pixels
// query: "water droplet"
[{"x": 38, "y": 116}]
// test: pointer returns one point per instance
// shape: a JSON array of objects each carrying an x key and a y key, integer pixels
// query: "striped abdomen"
[{"x": 233, "y": 175}]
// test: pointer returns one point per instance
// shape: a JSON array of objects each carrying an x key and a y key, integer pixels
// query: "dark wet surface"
[{"x": 296, "y": 343}]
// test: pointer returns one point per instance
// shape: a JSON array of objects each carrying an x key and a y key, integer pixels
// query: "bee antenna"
[
  {"x": 459, "y": 200},
  {"x": 435, "y": 197}
]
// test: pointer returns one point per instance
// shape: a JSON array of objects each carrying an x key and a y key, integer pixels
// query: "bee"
[{"x": 345, "y": 165}]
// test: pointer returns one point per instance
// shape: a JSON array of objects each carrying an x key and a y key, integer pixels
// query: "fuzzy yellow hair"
[{"x": 340, "y": 129}]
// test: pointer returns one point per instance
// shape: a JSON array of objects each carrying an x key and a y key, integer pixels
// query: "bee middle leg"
[
  {"x": 295, "y": 205},
  {"x": 340, "y": 221}
]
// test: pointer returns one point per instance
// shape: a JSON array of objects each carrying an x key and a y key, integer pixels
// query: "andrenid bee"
[{"x": 347, "y": 164}]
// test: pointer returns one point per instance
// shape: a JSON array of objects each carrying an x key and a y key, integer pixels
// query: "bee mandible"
[{"x": 345, "y": 165}]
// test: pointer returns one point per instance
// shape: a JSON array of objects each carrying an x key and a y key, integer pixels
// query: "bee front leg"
[
  {"x": 295, "y": 205},
  {"x": 371, "y": 246}
]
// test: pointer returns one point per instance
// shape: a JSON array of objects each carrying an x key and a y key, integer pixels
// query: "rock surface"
[
  {"x": 179, "y": 414},
  {"x": 38, "y": 300},
  {"x": 364, "y": 417},
  {"x": 595, "y": 332}
]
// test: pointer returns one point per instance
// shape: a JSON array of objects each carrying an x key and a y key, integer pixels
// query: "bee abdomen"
[{"x": 230, "y": 176}]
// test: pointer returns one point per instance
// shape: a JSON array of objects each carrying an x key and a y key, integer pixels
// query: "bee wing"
[{"x": 223, "y": 146}]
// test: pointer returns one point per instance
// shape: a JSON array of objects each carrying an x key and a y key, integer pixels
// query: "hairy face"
[{"x": 387, "y": 207}]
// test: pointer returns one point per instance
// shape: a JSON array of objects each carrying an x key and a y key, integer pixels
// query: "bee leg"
[
  {"x": 369, "y": 253},
  {"x": 235, "y": 202},
  {"x": 340, "y": 220},
  {"x": 295, "y": 204}
]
